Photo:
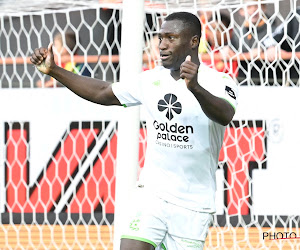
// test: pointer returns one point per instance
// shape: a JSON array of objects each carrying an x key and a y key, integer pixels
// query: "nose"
[{"x": 162, "y": 44}]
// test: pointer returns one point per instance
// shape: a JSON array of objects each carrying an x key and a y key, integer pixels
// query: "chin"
[{"x": 167, "y": 65}]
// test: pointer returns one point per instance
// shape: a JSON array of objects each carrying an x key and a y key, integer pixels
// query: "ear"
[{"x": 195, "y": 42}]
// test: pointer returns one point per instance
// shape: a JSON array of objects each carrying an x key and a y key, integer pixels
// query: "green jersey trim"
[{"x": 139, "y": 239}]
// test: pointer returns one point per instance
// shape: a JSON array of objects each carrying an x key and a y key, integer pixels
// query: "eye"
[{"x": 171, "y": 38}]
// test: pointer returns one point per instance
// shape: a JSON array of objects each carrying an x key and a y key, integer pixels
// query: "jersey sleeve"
[
  {"x": 129, "y": 94},
  {"x": 228, "y": 90}
]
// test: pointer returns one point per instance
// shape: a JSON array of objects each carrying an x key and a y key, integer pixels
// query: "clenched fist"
[
  {"x": 189, "y": 72},
  {"x": 43, "y": 59}
]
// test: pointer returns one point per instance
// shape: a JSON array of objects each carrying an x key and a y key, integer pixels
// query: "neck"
[{"x": 175, "y": 73}]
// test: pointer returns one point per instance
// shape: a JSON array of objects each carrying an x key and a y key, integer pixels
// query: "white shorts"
[{"x": 165, "y": 225}]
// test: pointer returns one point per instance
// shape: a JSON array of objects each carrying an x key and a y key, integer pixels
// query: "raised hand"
[
  {"x": 189, "y": 72},
  {"x": 43, "y": 59}
]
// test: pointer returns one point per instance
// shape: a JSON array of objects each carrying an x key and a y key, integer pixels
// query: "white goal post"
[{"x": 129, "y": 119}]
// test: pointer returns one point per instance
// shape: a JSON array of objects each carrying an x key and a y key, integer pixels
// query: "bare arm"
[
  {"x": 91, "y": 89},
  {"x": 215, "y": 108},
  {"x": 274, "y": 53}
]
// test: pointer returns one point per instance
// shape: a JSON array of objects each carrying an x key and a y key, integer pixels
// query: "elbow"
[
  {"x": 103, "y": 102},
  {"x": 227, "y": 118},
  {"x": 225, "y": 122},
  {"x": 107, "y": 100},
  {"x": 228, "y": 115},
  {"x": 107, "y": 97},
  {"x": 222, "y": 119}
]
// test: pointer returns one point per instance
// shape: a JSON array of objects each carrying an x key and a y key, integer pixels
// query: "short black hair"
[{"x": 189, "y": 20}]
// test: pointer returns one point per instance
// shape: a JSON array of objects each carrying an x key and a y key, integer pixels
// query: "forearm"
[
  {"x": 215, "y": 108},
  {"x": 287, "y": 55},
  {"x": 253, "y": 54},
  {"x": 91, "y": 89}
]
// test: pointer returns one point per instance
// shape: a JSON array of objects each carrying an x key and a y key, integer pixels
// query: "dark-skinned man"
[{"x": 188, "y": 106}]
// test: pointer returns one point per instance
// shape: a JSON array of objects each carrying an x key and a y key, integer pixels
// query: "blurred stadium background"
[{"x": 58, "y": 152}]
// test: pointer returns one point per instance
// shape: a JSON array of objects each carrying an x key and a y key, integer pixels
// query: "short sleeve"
[
  {"x": 218, "y": 84},
  {"x": 129, "y": 94},
  {"x": 229, "y": 90}
]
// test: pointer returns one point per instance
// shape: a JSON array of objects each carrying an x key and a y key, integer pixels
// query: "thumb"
[
  {"x": 50, "y": 49},
  {"x": 188, "y": 58}
]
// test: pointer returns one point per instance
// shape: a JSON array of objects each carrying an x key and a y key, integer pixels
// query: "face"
[{"x": 174, "y": 44}]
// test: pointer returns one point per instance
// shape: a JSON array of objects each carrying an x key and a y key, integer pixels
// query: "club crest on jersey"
[
  {"x": 170, "y": 104},
  {"x": 230, "y": 92}
]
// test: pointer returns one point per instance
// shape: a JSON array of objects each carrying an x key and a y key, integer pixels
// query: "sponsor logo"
[
  {"x": 168, "y": 133},
  {"x": 170, "y": 104},
  {"x": 173, "y": 132},
  {"x": 230, "y": 92},
  {"x": 134, "y": 225}
]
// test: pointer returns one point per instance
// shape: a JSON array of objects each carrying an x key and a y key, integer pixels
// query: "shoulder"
[
  {"x": 155, "y": 73},
  {"x": 156, "y": 70},
  {"x": 207, "y": 72},
  {"x": 219, "y": 84},
  {"x": 209, "y": 77}
]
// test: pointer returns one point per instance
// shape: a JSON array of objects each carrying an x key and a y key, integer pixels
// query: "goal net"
[{"x": 58, "y": 152}]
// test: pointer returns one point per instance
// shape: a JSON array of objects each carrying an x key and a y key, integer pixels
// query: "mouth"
[{"x": 164, "y": 57}]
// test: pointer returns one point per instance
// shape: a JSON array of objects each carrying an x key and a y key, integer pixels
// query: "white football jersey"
[{"x": 183, "y": 144}]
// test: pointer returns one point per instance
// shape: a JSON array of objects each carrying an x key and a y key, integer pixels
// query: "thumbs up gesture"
[
  {"x": 189, "y": 72},
  {"x": 43, "y": 59}
]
